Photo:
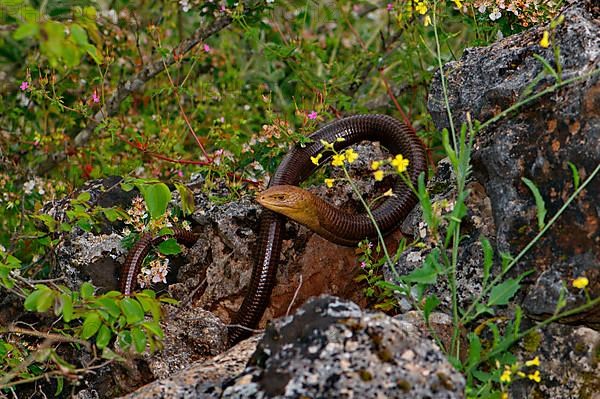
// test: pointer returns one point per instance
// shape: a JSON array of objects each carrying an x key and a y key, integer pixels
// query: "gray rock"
[
  {"x": 569, "y": 366},
  {"x": 537, "y": 141},
  {"x": 331, "y": 348}
]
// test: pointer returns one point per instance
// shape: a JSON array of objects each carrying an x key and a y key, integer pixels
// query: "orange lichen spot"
[
  {"x": 555, "y": 145},
  {"x": 551, "y": 125},
  {"x": 574, "y": 127}
]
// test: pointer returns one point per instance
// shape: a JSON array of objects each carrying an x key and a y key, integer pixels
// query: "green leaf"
[
  {"x": 94, "y": 53},
  {"x": 91, "y": 324},
  {"x": 84, "y": 196},
  {"x": 79, "y": 35},
  {"x": 427, "y": 274},
  {"x": 67, "y": 307},
  {"x": 60, "y": 383},
  {"x": 111, "y": 305},
  {"x": 39, "y": 300},
  {"x": 111, "y": 214},
  {"x": 169, "y": 247},
  {"x": 431, "y": 303},
  {"x": 48, "y": 221},
  {"x": 103, "y": 337},
  {"x": 132, "y": 310},
  {"x": 149, "y": 305},
  {"x": 157, "y": 197},
  {"x": 539, "y": 202},
  {"x": 109, "y": 354},
  {"x": 87, "y": 290},
  {"x": 474, "y": 350},
  {"x": 187, "y": 198},
  {"x": 448, "y": 149},
  {"x": 26, "y": 30},
  {"x": 139, "y": 339},
  {"x": 153, "y": 328},
  {"x": 575, "y": 173},
  {"x": 488, "y": 258},
  {"x": 502, "y": 293}
]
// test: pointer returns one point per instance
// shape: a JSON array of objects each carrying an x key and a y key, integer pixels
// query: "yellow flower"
[
  {"x": 521, "y": 374},
  {"x": 375, "y": 165},
  {"x": 533, "y": 362},
  {"x": 505, "y": 377},
  {"x": 378, "y": 175},
  {"x": 338, "y": 159},
  {"x": 329, "y": 182},
  {"x": 421, "y": 8},
  {"x": 351, "y": 156},
  {"x": 400, "y": 163},
  {"x": 457, "y": 3},
  {"x": 388, "y": 193},
  {"x": 427, "y": 20},
  {"x": 504, "y": 395},
  {"x": 581, "y": 282},
  {"x": 535, "y": 376},
  {"x": 315, "y": 160},
  {"x": 545, "y": 42}
]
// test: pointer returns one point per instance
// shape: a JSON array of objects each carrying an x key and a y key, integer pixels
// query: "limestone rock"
[{"x": 331, "y": 348}]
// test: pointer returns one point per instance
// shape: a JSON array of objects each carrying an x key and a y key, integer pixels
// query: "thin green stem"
[
  {"x": 442, "y": 78},
  {"x": 388, "y": 259}
]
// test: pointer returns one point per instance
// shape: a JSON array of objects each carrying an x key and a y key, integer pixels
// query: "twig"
[{"x": 294, "y": 297}]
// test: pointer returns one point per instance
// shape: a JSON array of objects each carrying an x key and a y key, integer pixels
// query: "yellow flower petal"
[
  {"x": 533, "y": 362},
  {"x": 581, "y": 282},
  {"x": 351, "y": 155},
  {"x": 505, "y": 377},
  {"x": 535, "y": 376},
  {"x": 388, "y": 193},
  {"x": 378, "y": 174},
  {"x": 545, "y": 42},
  {"x": 458, "y": 3},
  {"x": 400, "y": 163},
  {"x": 329, "y": 182},
  {"x": 316, "y": 159},
  {"x": 421, "y": 8},
  {"x": 338, "y": 160},
  {"x": 427, "y": 20},
  {"x": 375, "y": 165}
]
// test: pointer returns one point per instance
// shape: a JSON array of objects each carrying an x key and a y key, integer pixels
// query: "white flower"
[
  {"x": 29, "y": 186},
  {"x": 495, "y": 15},
  {"x": 482, "y": 8}
]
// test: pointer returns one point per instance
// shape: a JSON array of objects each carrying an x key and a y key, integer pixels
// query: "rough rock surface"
[
  {"x": 569, "y": 363},
  {"x": 201, "y": 379},
  {"x": 537, "y": 141},
  {"x": 332, "y": 348}
]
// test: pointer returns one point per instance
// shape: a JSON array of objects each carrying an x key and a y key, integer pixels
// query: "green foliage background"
[{"x": 268, "y": 74}]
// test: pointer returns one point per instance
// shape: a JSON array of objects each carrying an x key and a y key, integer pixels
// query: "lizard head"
[{"x": 291, "y": 201}]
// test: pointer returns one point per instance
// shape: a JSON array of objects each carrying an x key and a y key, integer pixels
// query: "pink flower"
[
  {"x": 206, "y": 48},
  {"x": 313, "y": 115},
  {"x": 25, "y": 85},
  {"x": 363, "y": 265},
  {"x": 223, "y": 8},
  {"x": 390, "y": 7},
  {"x": 179, "y": 173},
  {"x": 95, "y": 97}
]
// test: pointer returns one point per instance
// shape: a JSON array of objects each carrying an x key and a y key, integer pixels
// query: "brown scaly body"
[
  {"x": 333, "y": 224},
  {"x": 137, "y": 254}
]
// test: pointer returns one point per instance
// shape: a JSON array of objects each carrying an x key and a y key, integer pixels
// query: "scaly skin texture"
[
  {"x": 135, "y": 257},
  {"x": 326, "y": 220}
]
